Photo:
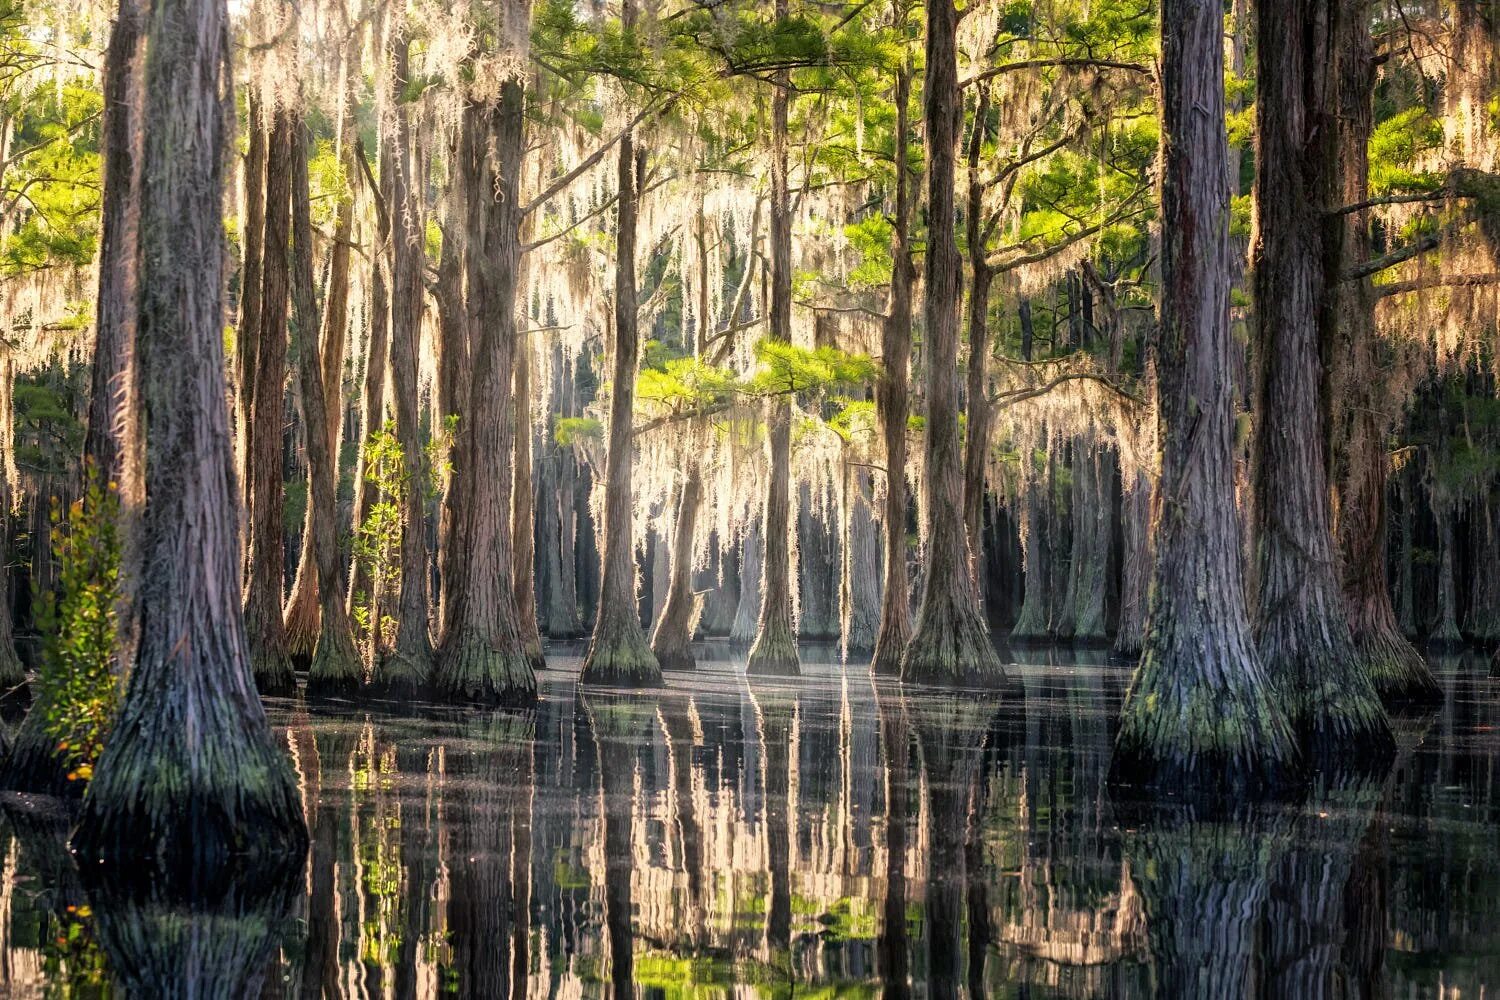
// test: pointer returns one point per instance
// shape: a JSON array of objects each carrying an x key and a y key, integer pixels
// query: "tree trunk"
[
  {"x": 560, "y": 519},
  {"x": 1445, "y": 634},
  {"x": 721, "y": 580},
  {"x": 1200, "y": 714},
  {"x": 454, "y": 358},
  {"x": 981, "y": 276},
  {"x": 1303, "y": 632},
  {"x": 409, "y": 666},
  {"x": 618, "y": 653},
  {"x": 817, "y": 574},
  {"x": 891, "y": 407},
  {"x": 775, "y": 649},
  {"x": 190, "y": 710},
  {"x": 483, "y": 657},
  {"x": 859, "y": 595},
  {"x": 747, "y": 615},
  {"x": 247, "y": 332},
  {"x": 302, "y": 616},
  {"x": 951, "y": 644},
  {"x": 672, "y": 640},
  {"x": 263, "y": 625},
  {"x": 1093, "y": 562},
  {"x": 1031, "y": 624},
  {"x": 1135, "y": 582},
  {"x": 335, "y": 665},
  {"x": 523, "y": 512},
  {"x": 1081, "y": 537}
]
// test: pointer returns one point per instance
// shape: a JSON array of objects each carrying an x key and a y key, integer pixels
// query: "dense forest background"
[{"x": 832, "y": 322}]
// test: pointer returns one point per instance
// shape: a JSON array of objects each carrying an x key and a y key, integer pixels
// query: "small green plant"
[{"x": 77, "y": 685}]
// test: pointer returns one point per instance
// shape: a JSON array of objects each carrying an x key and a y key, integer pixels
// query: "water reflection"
[{"x": 726, "y": 836}]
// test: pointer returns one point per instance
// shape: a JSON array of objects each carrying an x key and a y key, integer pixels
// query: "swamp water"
[{"x": 827, "y": 837}]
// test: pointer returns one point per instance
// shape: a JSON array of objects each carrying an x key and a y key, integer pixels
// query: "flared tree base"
[
  {"x": 33, "y": 765},
  {"x": 273, "y": 673},
  {"x": 890, "y": 647},
  {"x": 618, "y": 656},
  {"x": 302, "y": 626},
  {"x": 1333, "y": 707},
  {"x": 1203, "y": 730},
  {"x": 674, "y": 653},
  {"x": 12, "y": 675},
  {"x": 774, "y": 654},
  {"x": 403, "y": 673},
  {"x": 951, "y": 647},
  {"x": 335, "y": 668},
  {"x": 179, "y": 802},
  {"x": 473, "y": 669},
  {"x": 1400, "y": 675}
]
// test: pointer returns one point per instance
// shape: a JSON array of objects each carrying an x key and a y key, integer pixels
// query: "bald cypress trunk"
[
  {"x": 263, "y": 583},
  {"x": 1303, "y": 632},
  {"x": 891, "y": 409},
  {"x": 747, "y": 614},
  {"x": 335, "y": 664},
  {"x": 483, "y": 657},
  {"x": 672, "y": 639},
  {"x": 1445, "y": 634},
  {"x": 372, "y": 396},
  {"x": 618, "y": 653},
  {"x": 981, "y": 277},
  {"x": 410, "y": 664},
  {"x": 951, "y": 643},
  {"x": 1031, "y": 624},
  {"x": 1200, "y": 714},
  {"x": 1364, "y": 411},
  {"x": 523, "y": 512},
  {"x": 190, "y": 711},
  {"x": 247, "y": 331},
  {"x": 1135, "y": 576},
  {"x": 859, "y": 597},
  {"x": 775, "y": 647},
  {"x": 302, "y": 614}
]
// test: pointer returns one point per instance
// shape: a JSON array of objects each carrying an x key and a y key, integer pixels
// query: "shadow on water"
[{"x": 730, "y": 836}]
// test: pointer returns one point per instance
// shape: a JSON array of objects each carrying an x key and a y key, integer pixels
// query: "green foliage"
[
  {"x": 787, "y": 368},
  {"x": 567, "y": 431},
  {"x": 76, "y": 684}
]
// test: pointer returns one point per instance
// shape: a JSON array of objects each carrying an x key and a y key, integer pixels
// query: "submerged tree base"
[
  {"x": 34, "y": 765},
  {"x": 618, "y": 656},
  {"x": 1400, "y": 675},
  {"x": 471, "y": 668},
  {"x": 672, "y": 653},
  {"x": 951, "y": 647},
  {"x": 1333, "y": 705},
  {"x": 1203, "y": 727},
  {"x": 335, "y": 668},
  {"x": 774, "y": 654},
  {"x": 273, "y": 673}
]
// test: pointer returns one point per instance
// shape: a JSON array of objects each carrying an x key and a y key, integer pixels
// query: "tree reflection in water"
[{"x": 731, "y": 837}]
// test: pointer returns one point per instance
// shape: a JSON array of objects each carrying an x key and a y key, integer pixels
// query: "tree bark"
[
  {"x": 672, "y": 639},
  {"x": 981, "y": 276},
  {"x": 618, "y": 653},
  {"x": 410, "y": 664},
  {"x": 302, "y": 614},
  {"x": 247, "y": 332},
  {"x": 483, "y": 657},
  {"x": 951, "y": 644},
  {"x": 891, "y": 406},
  {"x": 1200, "y": 714},
  {"x": 1303, "y": 632},
  {"x": 1031, "y": 624},
  {"x": 190, "y": 710},
  {"x": 859, "y": 598},
  {"x": 263, "y": 584},
  {"x": 523, "y": 512},
  {"x": 1445, "y": 633},
  {"x": 1135, "y": 583},
  {"x": 454, "y": 357},
  {"x": 774, "y": 651},
  {"x": 335, "y": 665},
  {"x": 747, "y": 615}
]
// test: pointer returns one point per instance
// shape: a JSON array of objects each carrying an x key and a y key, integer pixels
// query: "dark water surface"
[{"x": 821, "y": 838}]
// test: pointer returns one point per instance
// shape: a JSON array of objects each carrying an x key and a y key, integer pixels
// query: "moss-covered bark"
[
  {"x": 191, "y": 776},
  {"x": 1200, "y": 717},
  {"x": 951, "y": 641},
  {"x": 33, "y": 764}
]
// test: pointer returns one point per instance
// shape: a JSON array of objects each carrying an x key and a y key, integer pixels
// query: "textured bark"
[
  {"x": 263, "y": 625},
  {"x": 1080, "y": 537},
  {"x": 775, "y": 649},
  {"x": 1093, "y": 560},
  {"x": 618, "y": 653},
  {"x": 372, "y": 399},
  {"x": 191, "y": 777},
  {"x": 747, "y": 615},
  {"x": 721, "y": 579},
  {"x": 1303, "y": 632},
  {"x": 1135, "y": 577},
  {"x": 951, "y": 643},
  {"x": 453, "y": 347},
  {"x": 1031, "y": 623},
  {"x": 410, "y": 664},
  {"x": 817, "y": 571},
  {"x": 859, "y": 593},
  {"x": 1445, "y": 633},
  {"x": 672, "y": 639},
  {"x": 1200, "y": 714},
  {"x": 523, "y": 512},
  {"x": 335, "y": 665},
  {"x": 247, "y": 331},
  {"x": 891, "y": 408},
  {"x": 302, "y": 614},
  {"x": 981, "y": 277},
  {"x": 559, "y": 518},
  {"x": 483, "y": 657}
]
